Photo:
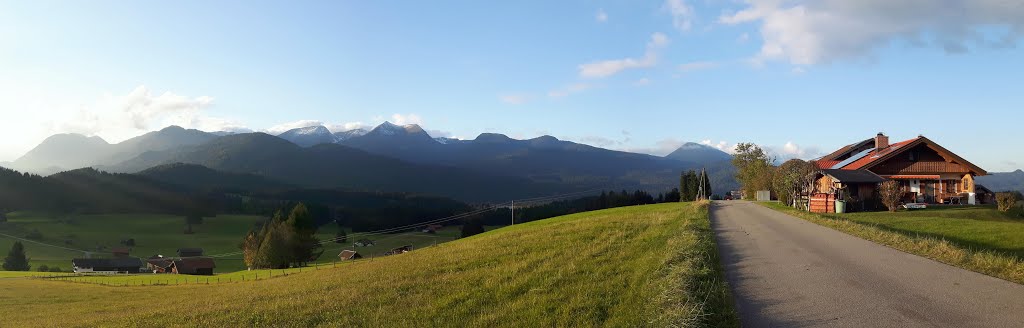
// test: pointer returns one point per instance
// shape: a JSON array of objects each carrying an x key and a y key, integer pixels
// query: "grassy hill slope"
[{"x": 650, "y": 265}]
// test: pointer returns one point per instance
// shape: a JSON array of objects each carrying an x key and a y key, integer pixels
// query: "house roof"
[
  {"x": 348, "y": 254},
  {"x": 120, "y": 262},
  {"x": 193, "y": 263},
  {"x": 853, "y": 176},
  {"x": 160, "y": 262},
  {"x": 190, "y": 250},
  {"x": 877, "y": 156},
  {"x": 124, "y": 250},
  {"x": 915, "y": 176},
  {"x": 825, "y": 164},
  {"x": 846, "y": 149}
]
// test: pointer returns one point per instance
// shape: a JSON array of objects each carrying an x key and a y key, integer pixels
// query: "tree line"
[{"x": 283, "y": 241}]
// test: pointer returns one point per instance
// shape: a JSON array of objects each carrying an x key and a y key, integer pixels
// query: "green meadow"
[
  {"x": 653, "y": 265},
  {"x": 163, "y": 235}
]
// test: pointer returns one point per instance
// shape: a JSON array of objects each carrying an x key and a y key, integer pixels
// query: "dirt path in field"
[{"x": 787, "y": 272}]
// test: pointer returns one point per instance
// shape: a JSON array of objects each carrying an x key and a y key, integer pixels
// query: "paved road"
[{"x": 787, "y": 272}]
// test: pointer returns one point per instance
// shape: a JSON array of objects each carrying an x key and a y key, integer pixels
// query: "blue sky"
[{"x": 799, "y": 77}]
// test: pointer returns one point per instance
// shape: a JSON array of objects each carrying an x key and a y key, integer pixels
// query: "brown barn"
[
  {"x": 400, "y": 250},
  {"x": 347, "y": 255},
  {"x": 193, "y": 265},
  {"x": 928, "y": 172},
  {"x": 120, "y": 251},
  {"x": 190, "y": 252},
  {"x": 159, "y": 264}
]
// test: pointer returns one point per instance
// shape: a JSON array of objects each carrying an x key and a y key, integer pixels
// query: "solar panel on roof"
[{"x": 852, "y": 159}]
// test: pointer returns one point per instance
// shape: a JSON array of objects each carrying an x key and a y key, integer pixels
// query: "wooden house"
[
  {"x": 927, "y": 172},
  {"x": 433, "y": 228},
  {"x": 399, "y": 250},
  {"x": 363, "y": 243},
  {"x": 158, "y": 264},
  {"x": 108, "y": 266},
  {"x": 120, "y": 251},
  {"x": 193, "y": 265},
  {"x": 347, "y": 255}
]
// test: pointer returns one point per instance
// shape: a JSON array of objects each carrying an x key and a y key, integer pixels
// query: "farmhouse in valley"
[
  {"x": 108, "y": 266},
  {"x": 928, "y": 173},
  {"x": 193, "y": 265},
  {"x": 347, "y": 255},
  {"x": 190, "y": 252}
]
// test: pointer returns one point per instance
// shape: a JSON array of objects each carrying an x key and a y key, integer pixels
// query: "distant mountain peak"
[
  {"x": 309, "y": 130},
  {"x": 493, "y": 137},
  {"x": 390, "y": 129},
  {"x": 698, "y": 153},
  {"x": 172, "y": 128},
  {"x": 309, "y": 136}
]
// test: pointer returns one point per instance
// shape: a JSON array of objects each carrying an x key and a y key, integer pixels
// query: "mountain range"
[{"x": 389, "y": 157}]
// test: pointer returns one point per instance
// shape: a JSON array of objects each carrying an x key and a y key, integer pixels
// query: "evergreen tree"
[
  {"x": 16, "y": 260},
  {"x": 305, "y": 246},
  {"x": 276, "y": 249},
  {"x": 684, "y": 185},
  {"x": 341, "y": 236}
]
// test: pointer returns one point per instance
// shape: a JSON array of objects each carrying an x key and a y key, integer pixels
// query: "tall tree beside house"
[
  {"x": 890, "y": 192},
  {"x": 471, "y": 227},
  {"x": 791, "y": 179},
  {"x": 16, "y": 259},
  {"x": 753, "y": 168},
  {"x": 190, "y": 220}
]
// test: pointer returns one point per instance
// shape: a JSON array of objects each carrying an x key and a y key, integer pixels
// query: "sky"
[{"x": 800, "y": 78}]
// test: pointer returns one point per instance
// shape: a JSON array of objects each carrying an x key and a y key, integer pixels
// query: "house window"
[{"x": 913, "y": 156}]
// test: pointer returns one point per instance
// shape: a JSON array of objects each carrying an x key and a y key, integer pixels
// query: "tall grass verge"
[
  {"x": 697, "y": 295},
  {"x": 992, "y": 263}
]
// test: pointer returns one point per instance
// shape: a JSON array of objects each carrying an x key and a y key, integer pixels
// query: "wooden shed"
[{"x": 347, "y": 255}]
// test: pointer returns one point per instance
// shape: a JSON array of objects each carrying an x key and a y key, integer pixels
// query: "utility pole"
[
  {"x": 701, "y": 192},
  {"x": 513, "y": 212}
]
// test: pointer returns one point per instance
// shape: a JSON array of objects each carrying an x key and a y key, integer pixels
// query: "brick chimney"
[{"x": 881, "y": 141}]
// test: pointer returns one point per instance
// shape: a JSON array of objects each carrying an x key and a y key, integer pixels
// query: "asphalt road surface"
[{"x": 787, "y": 272}]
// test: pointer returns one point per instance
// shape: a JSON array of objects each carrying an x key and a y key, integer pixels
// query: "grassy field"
[
  {"x": 980, "y": 239},
  {"x": 162, "y": 234},
  {"x": 637, "y": 266}
]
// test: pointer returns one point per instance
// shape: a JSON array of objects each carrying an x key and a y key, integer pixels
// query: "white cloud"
[
  {"x": 403, "y": 119},
  {"x": 642, "y": 82},
  {"x": 721, "y": 145},
  {"x": 116, "y": 118},
  {"x": 696, "y": 66},
  {"x": 812, "y": 32},
  {"x": 569, "y": 89},
  {"x": 514, "y": 99},
  {"x": 682, "y": 14},
  {"x": 606, "y": 68},
  {"x": 342, "y": 127},
  {"x": 601, "y": 16},
  {"x": 792, "y": 150}
]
